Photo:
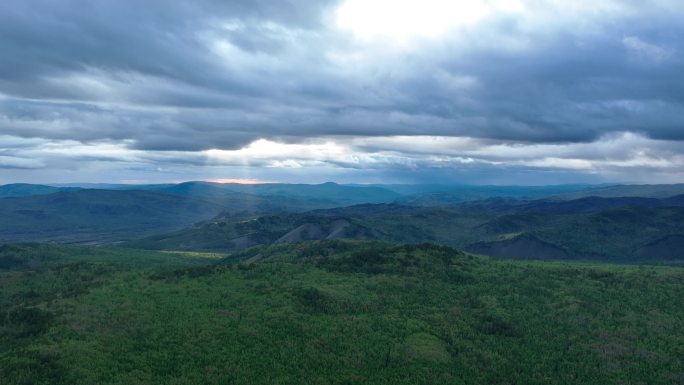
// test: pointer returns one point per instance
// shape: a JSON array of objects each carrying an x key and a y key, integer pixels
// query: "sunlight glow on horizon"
[{"x": 236, "y": 181}]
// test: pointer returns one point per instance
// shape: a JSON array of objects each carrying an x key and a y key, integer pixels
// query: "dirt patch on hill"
[
  {"x": 523, "y": 246},
  {"x": 243, "y": 242},
  {"x": 305, "y": 232},
  {"x": 336, "y": 229}
]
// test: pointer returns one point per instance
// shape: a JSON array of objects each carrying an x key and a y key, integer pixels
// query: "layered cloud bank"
[{"x": 499, "y": 91}]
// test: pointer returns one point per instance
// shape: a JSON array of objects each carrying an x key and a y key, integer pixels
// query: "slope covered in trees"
[{"x": 335, "y": 312}]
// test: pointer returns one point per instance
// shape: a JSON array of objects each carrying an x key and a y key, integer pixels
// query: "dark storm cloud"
[
  {"x": 276, "y": 81},
  {"x": 151, "y": 36},
  {"x": 189, "y": 76},
  {"x": 563, "y": 88}
]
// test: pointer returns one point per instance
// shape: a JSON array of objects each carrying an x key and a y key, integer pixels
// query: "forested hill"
[
  {"x": 633, "y": 230},
  {"x": 333, "y": 312}
]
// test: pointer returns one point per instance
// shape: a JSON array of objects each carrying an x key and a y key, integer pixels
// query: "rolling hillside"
[
  {"x": 294, "y": 196},
  {"x": 645, "y": 191},
  {"x": 73, "y": 214},
  {"x": 444, "y": 195},
  {"x": 606, "y": 229},
  {"x": 225, "y": 236},
  {"x": 339, "y": 195},
  {"x": 97, "y": 215},
  {"x": 333, "y": 312},
  {"x": 179, "y": 217},
  {"x": 26, "y": 189}
]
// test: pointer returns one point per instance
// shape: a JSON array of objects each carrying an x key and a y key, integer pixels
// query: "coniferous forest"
[{"x": 333, "y": 312}]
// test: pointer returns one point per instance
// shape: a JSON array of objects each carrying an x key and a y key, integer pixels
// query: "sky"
[{"x": 354, "y": 91}]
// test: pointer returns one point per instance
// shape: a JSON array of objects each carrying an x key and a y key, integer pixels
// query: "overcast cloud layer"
[{"x": 477, "y": 91}]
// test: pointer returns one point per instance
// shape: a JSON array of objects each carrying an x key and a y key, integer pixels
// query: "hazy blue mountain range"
[
  {"x": 98, "y": 215},
  {"x": 218, "y": 217},
  {"x": 26, "y": 189},
  {"x": 422, "y": 194},
  {"x": 618, "y": 229},
  {"x": 324, "y": 194}
]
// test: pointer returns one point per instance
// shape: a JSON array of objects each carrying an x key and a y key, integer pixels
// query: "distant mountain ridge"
[
  {"x": 26, "y": 189},
  {"x": 97, "y": 215},
  {"x": 214, "y": 217},
  {"x": 595, "y": 203},
  {"x": 598, "y": 229},
  {"x": 348, "y": 194},
  {"x": 326, "y": 194},
  {"x": 645, "y": 191}
]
